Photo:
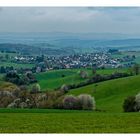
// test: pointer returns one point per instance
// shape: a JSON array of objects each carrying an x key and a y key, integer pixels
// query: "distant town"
[{"x": 43, "y": 63}]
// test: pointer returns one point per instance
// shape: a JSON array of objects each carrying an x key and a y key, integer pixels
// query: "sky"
[{"x": 70, "y": 19}]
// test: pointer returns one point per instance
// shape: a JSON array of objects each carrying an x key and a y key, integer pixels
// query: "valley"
[{"x": 37, "y": 75}]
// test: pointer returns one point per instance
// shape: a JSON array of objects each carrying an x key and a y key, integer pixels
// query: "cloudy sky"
[{"x": 70, "y": 19}]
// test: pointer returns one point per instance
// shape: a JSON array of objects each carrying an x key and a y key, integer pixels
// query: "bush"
[
  {"x": 70, "y": 102},
  {"x": 45, "y": 104},
  {"x": 83, "y": 101},
  {"x": 137, "y": 100},
  {"x": 46, "y": 100},
  {"x": 86, "y": 102},
  {"x": 35, "y": 89},
  {"x": 58, "y": 104},
  {"x": 64, "y": 88},
  {"x": 129, "y": 104},
  {"x": 6, "y": 98},
  {"x": 83, "y": 74}
]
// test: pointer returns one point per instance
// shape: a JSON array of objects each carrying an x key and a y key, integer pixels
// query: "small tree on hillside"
[
  {"x": 70, "y": 102},
  {"x": 129, "y": 104},
  {"x": 136, "y": 69},
  {"x": 137, "y": 100},
  {"x": 83, "y": 74},
  {"x": 87, "y": 102},
  {"x": 94, "y": 71},
  {"x": 35, "y": 89},
  {"x": 64, "y": 88}
]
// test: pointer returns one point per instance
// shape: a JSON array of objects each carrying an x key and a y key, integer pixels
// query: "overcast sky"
[{"x": 86, "y": 19}]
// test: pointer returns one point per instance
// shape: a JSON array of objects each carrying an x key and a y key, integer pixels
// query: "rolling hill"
[
  {"x": 56, "y": 78},
  {"x": 109, "y": 95}
]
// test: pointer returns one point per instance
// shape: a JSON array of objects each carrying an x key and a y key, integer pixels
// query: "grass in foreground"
[
  {"x": 52, "y": 121},
  {"x": 109, "y": 96}
]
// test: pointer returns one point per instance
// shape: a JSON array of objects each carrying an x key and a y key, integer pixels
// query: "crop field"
[{"x": 56, "y": 78}]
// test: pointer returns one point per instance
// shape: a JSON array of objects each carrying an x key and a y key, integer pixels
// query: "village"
[{"x": 98, "y": 60}]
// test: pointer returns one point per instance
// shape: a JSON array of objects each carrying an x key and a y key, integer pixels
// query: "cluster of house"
[
  {"x": 24, "y": 59},
  {"x": 86, "y": 60},
  {"x": 98, "y": 60}
]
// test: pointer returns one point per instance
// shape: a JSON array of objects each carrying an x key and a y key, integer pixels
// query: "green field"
[
  {"x": 130, "y": 53},
  {"x": 61, "y": 121},
  {"x": 109, "y": 96},
  {"x": 16, "y": 65},
  {"x": 7, "y": 61},
  {"x": 53, "y": 79}
]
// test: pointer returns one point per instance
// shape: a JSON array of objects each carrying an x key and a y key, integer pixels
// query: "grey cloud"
[
  {"x": 1, "y": 9},
  {"x": 73, "y": 19}
]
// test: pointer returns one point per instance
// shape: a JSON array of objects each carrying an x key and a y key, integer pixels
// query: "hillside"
[
  {"x": 56, "y": 78},
  {"x": 53, "y": 79},
  {"x": 110, "y": 95}
]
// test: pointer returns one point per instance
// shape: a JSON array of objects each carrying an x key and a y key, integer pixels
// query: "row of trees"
[
  {"x": 6, "y": 69},
  {"x": 95, "y": 79}
]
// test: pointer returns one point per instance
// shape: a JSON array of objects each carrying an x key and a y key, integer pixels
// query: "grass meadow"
[
  {"x": 53, "y": 79},
  {"x": 108, "y": 118},
  {"x": 63, "y": 121}
]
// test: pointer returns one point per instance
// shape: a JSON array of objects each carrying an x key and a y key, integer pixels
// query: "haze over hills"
[
  {"x": 68, "y": 43},
  {"x": 33, "y": 37}
]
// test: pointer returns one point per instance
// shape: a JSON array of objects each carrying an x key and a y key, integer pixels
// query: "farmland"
[
  {"x": 52, "y": 121},
  {"x": 53, "y": 79},
  {"x": 6, "y": 61},
  {"x": 109, "y": 97},
  {"x": 69, "y": 70},
  {"x": 127, "y": 53},
  {"x": 15, "y": 65}
]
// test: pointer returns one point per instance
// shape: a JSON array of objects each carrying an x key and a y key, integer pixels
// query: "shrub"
[
  {"x": 16, "y": 92},
  {"x": 35, "y": 89},
  {"x": 70, "y": 102},
  {"x": 45, "y": 104},
  {"x": 6, "y": 98},
  {"x": 83, "y": 74},
  {"x": 129, "y": 104},
  {"x": 86, "y": 102},
  {"x": 137, "y": 100},
  {"x": 64, "y": 88},
  {"x": 58, "y": 104}
]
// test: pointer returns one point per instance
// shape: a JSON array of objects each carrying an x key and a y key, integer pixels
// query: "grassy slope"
[
  {"x": 54, "y": 79},
  {"x": 110, "y": 95}
]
